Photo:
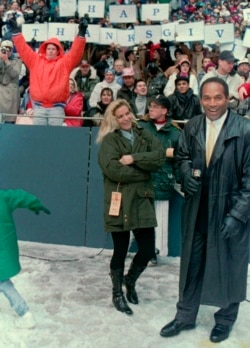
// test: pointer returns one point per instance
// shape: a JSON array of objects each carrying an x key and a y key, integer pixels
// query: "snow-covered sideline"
[{"x": 69, "y": 293}]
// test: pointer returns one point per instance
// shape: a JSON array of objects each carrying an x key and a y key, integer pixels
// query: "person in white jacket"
[
  {"x": 109, "y": 81},
  {"x": 184, "y": 67}
]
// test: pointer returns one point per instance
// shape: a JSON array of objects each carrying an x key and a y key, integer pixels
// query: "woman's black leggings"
[{"x": 145, "y": 239}]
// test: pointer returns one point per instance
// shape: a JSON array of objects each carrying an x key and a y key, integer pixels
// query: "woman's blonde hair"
[
  {"x": 109, "y": 123},
  {"x": 74, "y": 82}
]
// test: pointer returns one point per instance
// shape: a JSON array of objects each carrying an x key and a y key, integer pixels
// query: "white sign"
[
  {"x": 107, "y": 36},
  {"x": 246, "y": 14},
  {"x": 93, "y": 33},
  {"x": 122, "y": 14},
  {"x": 95, "y": 9},
  {"x": 190, "y": 31},
  {"x": 239, "y": 49},
  {"x": 63, "y": 31},
  {"x": 67, "y": 8},
  {"x": 246, "y": 39},
  {"x": 155, "y": 12},
  {"x": 168, "y": 32},
  {"x": 126, "y": 38},
  {"x": 36, "y": 31},
  {"x": 224, "y": 33},
  {"x": 145, "y": 33}
]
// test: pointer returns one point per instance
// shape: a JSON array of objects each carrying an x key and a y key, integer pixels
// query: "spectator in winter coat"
[
  {"x": 98, "y": 111},
  {"x": 159, "y": 124},
  {"x": 49, "y": 73},
  {"x": 86, "y": 78},
  {"x": 109, "y": 81},
  {"x": 184, "y": 67},
  {"x": 73, "y": 106},
  {"x": 184, "y": 104},
  {"x": 156, "y": 81},
  {"x": 126, "y": 91},
  {"x": 10, "y": 68},
  {"x": 140, "y": 100}
]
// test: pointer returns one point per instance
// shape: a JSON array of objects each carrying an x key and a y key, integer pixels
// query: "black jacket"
[{"x": 184, "y": 106}]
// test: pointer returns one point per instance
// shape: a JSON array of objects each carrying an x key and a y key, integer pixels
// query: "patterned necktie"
[{"x": 210, "y": 143}]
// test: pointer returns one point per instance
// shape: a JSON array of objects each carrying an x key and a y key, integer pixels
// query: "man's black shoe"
[
  {"x": 174, "y": 328},
  {"x": 220, "y": 333}
]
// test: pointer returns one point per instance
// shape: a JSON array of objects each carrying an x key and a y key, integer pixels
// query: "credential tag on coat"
[{"x": 115, "y": 204}]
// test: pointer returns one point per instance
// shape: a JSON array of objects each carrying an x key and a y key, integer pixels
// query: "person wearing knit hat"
[
  {"x": 184, "y": 69},
  {"x": 209, "y": 67},
  {"x": 109, "y": 81}
]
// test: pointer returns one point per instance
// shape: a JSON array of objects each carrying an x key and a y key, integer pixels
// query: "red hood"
[{"x": 54, "y": 41}]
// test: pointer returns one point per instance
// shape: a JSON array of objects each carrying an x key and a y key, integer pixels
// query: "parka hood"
[{"x": 54, "y": 41}]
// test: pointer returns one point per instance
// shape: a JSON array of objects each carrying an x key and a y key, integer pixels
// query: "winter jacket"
[
  {"x": 95, "y": 113},
  {"x": 164, "y": 178},
  {"x": 49, "y": 78},
  {"x": 88, "y": 86},
  {"x": 96, "y": 94},
  {"x": 156, "y": 85},
  {"x": 184, "y": 106},
  {"x": 125, "y": 93},
  {"x": 74, "y": 107},
  {"x": 226, "y": 266},
  {"x": 9, "y": 254},
  {"x": 9, "y": 87},
  {"x": 133, "y": 181}
]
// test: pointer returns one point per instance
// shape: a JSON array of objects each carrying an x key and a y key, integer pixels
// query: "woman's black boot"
[
  {"x": 118, "y": 299},
  {"x": 130, "y": 279}
]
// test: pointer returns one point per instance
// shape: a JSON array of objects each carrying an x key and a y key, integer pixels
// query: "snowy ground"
[{"x": 69, "y": 294}]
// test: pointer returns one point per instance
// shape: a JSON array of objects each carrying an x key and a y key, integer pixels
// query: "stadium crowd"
[{"x": 162, "y": 66}]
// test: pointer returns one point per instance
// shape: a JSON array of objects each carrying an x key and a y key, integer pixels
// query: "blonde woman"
[{"x": 127, "y": 156}]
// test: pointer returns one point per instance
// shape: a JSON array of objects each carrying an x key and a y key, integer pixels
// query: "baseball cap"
[
  {"x": 161, "y": 100},
  {"x": 84, "y": 63},
  {"x": 227, "y": 55},
  {"x": 7, "y": 43},
  {"x": 128, "y": 72},
  {"x": 243, "y": 61}
]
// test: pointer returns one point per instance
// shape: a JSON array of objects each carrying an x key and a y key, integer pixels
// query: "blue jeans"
[
  {"x": 15, "y": 299},
  {"x": 48, "y": 116}
]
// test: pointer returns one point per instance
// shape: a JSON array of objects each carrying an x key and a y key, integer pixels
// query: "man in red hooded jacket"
[{"x": 49, "y": 73}]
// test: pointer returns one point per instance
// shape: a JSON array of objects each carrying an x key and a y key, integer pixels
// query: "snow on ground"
[{"x": 68, "y": 290}]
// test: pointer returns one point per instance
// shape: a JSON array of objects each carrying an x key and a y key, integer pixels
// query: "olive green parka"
[{"x": 133, "y": 181}]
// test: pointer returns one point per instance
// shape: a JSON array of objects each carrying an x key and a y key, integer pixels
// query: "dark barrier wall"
[{"x": 59, "y": 165}]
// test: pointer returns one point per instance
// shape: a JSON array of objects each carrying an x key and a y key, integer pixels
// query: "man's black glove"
[
  {"x": 76, "y": 15},
  {"x": 15, "y": 29},
  {"x": 38, "y": 209},
  {"x": 82, "y": 28},
  {"x": 190, "y": 185},
  {"x": 231, "y": 227}
]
